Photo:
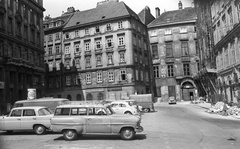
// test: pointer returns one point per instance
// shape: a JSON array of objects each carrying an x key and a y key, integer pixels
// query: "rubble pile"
[{"x": 224, "y": 109}]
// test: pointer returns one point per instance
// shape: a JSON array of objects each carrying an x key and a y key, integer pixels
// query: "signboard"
[
  {"x": 1, "y": 85},
  {"x": 31, "y": 93}
]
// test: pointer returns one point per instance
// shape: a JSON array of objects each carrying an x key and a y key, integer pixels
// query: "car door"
[
  {"x": 115, "y": 107},
  {"x": 28, "y": 119},
  {"x": 13, "y": 121},
  {"x": 98, "y": 121}
]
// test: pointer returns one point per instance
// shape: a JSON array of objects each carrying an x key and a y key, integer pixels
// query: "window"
[
  {"x": 62, "y": 111},
  {"x": 77, "y": 48},
  {"x": 57, "y": 49},
  {"x": 57, "y": 36},
  {"x": 99, "y": 60},
  {"x": 58, "y": 65},
  {"x": 111, "y": 76},
  {"x": 50, "y": 51},
  {"x": 50, "y": 37},
  {"x": 29, "y": 112},
  {"x": 170, "y": 70},
  {"x": 120, "y": 24},
  {"x": 122, "y": 57},
  {"x": 88, "y": 78},
  {"x": 97, "y": 30},
  {"x": 168, "y": 31},
  {"x": 100, "y": 97},
  {"x": 77, "y": 79},
  {"x": 68, "y": 80},
  {"x": 183, "y": 29},
  {"x": 88, "y": 62},
  {"x": 109, "y": 43},
  {"x": 16, "y": 113},
  {"x": 155, "y": 51},
  {"x": 76, "y": 33},
  {"x": 136, "y": 71},
  {"x": 120, "y": 41},
  {"x": 109, "y": 27},
  {"x": 141, "y": 75},
  {"x": 67, "y": 36},
  {"x": 99, "y": 77},
  {"x": 186, "y": 69},
  {"x": 67, "y": 64},
  {"x": 156, "y": 71},
  {"x": 87, "y": 46},
  {"x": 169, "y": 49},
  {"x": 123, "y": 75},
  {"x": 98, "y": 44},
  {"x": 110, "y": 59},
  {"x": 10, "y": 25},
  {"x": 50, "y": 65},
  {"x": 184, "y": 47},
  {"x": 86, "y": 31},
  {"x": 89, "y": 97},
  {"x": 67, "y": 49},
  {"x": 77, "y": 63}
]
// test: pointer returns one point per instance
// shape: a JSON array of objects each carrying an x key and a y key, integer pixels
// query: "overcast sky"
[{"x": 54, "y": 8}]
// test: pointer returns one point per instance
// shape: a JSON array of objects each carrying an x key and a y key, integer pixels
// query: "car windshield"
[{"x": 44, "y": 111}]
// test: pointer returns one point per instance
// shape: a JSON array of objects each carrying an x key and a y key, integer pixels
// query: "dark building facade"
[
  {"x": 21, "y": 50},
  {"x": 175, "y": 58}
]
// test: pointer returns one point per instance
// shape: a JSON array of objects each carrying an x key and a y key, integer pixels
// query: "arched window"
[
  {"x": 100, "y": 96},
  {"x": 89, "y": 96},
  {"x": 69, "y": 97},
  {"x": 79, "y": 97}
]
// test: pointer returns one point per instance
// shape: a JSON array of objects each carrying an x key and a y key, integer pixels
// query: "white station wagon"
[{"x": 35, "y": 118}]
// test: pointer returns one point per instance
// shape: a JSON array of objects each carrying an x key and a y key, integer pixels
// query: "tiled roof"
[
  {"x": 101, "y": 13},
  {"x": 146, "y": 16},
  {"x": 175, "y": 16}
]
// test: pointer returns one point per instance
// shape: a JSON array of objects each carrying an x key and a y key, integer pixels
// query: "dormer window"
[
  {"x": 168, "y": 31},
  {"x": 97, "y": 30},
  {"x": 86, "y": 31},
  {"x": 183, "y": 29},
  {"x": 120, "y": 25},
  {"x": 109, "y": 27},
  {"x": 67, "y": 36}
]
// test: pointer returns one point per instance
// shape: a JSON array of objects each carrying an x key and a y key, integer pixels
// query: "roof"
[
  {"x": 146, "y": 16},
  {"x": 173, "y": 17},
  {"x": 108, "y": 11},
  {"x": 43, "y": 100},
  {"x": 30, "y": 107}
]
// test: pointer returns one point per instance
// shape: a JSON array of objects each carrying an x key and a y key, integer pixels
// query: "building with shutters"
[
  {"x": 175, "y": 57},
  {"x": 104, "y": 55},
  {"x": 21, "y": 50}
]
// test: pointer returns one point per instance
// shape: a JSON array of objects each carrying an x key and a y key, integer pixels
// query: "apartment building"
[
  {"x": 21, "y": 50},
  {"x": 105, "y": 55},
  {"x": 175, "y": 57},
  {"x": 226, "y": 31}
]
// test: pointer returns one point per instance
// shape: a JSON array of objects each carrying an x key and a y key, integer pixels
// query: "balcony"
[
  {"x": 87, "y": 53},
  {"x": 67, "y": 56},
  {"x": 121, "y": 48},
  {"x": 98, "y": 48},
  {"x": 109, "y": 47},
  {"x": 77, "y": 54}
]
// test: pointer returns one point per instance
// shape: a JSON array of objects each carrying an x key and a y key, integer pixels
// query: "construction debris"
[{"x": 224, "y": 109}]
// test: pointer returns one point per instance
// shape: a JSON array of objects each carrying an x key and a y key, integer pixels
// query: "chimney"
[
  {"x": 180, "y": 5},
  {"x": 157, "y": 12}
]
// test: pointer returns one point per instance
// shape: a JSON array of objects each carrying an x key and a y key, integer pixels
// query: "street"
[{"x": 177, "y": 126}]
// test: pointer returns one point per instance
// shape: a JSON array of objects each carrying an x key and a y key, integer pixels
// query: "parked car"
[
  {"x": 49, "y": 102},
  {"x": 74, "y": 120},
  {"x": 172, "y": 100},
  {"x": 133, "y": 103},
  {"x": 35, "y": 118},
  {"x": 144, "y": 100},
  {"x": 123, "y": 107}
]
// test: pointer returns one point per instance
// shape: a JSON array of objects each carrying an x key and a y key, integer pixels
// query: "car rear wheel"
[
  {"x": 127, "y": 133},
  {"x": 69, "y": 135},
  {"x": 39, "y": 129},
  {"x": 146, "y": 109}
]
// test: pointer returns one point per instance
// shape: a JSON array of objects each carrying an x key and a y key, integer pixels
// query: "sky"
[{"x": 54, "y": 8}]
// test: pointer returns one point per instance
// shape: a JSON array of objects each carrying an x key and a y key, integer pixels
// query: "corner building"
[
  {"x": 175, "y": 57},
  {"x": 21, "y": 50},
  {"x": 105, "y": 55}
]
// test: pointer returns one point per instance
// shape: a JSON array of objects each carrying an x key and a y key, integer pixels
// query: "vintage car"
[
  {"x": 77, "y": 120},
  {"x": 123, "y": 107},
  {"x": 35, "y": 118},
  {"x": 172, "y": 100}
]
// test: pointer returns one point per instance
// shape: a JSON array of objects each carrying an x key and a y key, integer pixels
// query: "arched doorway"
[
  {"x": 69, "y": 97},
  {"x": 89, "y": 96},
  {"x": 100, "y": 96},
  {"x": 79, "y": 97},
  {"x": 187, "y": 91}
]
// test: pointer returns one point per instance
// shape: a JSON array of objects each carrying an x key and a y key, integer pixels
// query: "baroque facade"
[
  {"x": 175, "y": 58},
  {"x": 21, "y": 50},
  {"x": 226, "y": 30},
  {"x": 104, "y": 55}
]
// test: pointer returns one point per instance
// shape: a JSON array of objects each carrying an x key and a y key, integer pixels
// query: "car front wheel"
[
  {"x": 127, "y": 133},
  {"x": 39, "y": 129},
  {"x": 69, "y": 135},
  {"x": 146, "y": 110},
  {"x": 128, "y": 112}
]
